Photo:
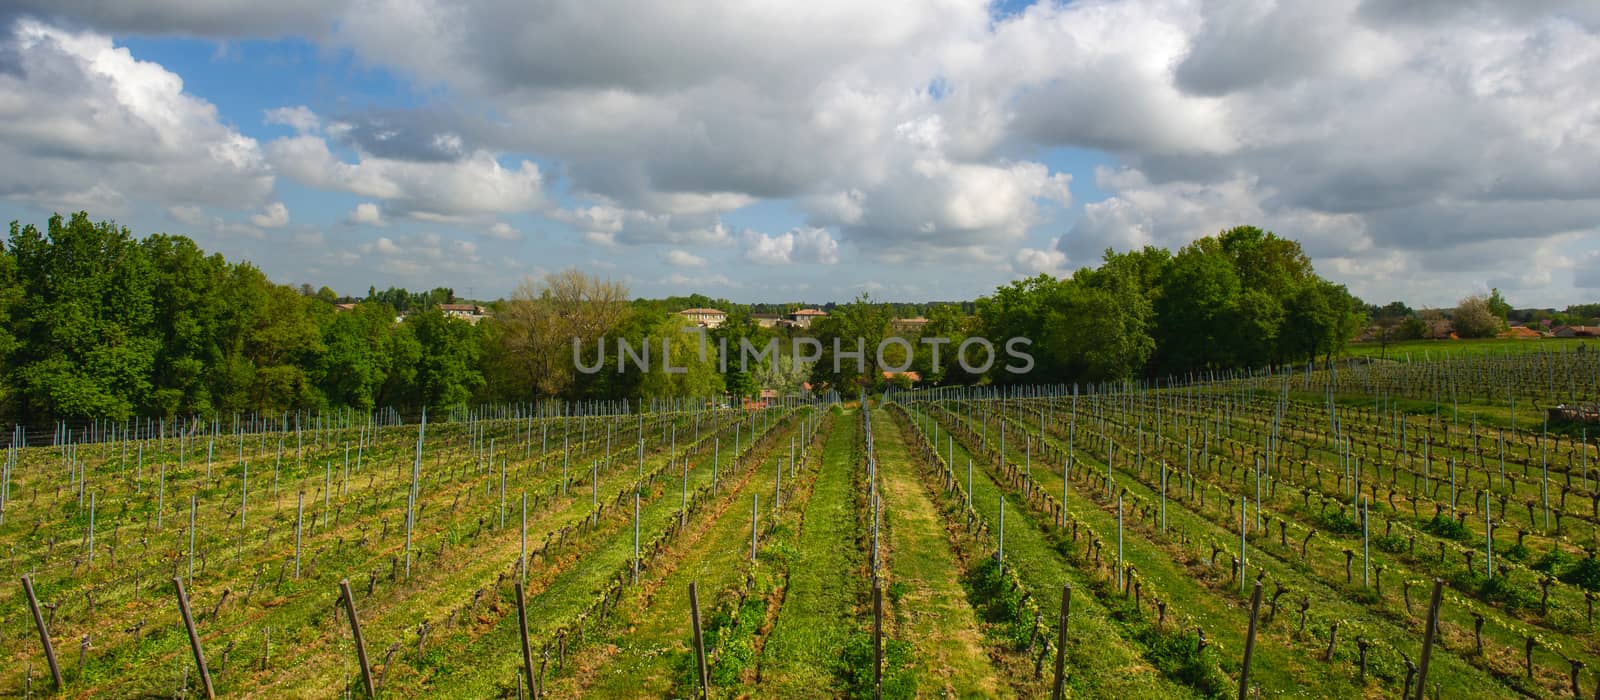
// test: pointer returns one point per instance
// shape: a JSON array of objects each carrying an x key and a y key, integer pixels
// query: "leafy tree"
[
  {"x": 1474, "y": 317},
  {"x": 536, "y": 329},
  {"x": 447, "y": 364},
  {"x": 357, "y": 361},
  {"x": 676, "y": 341},
  {"x": 85, "y": 320},
  {"x": 860, "y": 325},
  {"x": 1498, "y": 306}
]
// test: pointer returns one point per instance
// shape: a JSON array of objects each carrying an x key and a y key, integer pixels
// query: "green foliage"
[
  {"x": 1447, "y": 527},
  {"x": 1393, "y": 544},
  {"x": 1517, "y": 552},
  {"x": 1337, "y": 521},
  {"x": 99, "y": 324},
  {"x": 1243, "y": 298},
  {"x": 860, "y": 325},
  {"x": 1475, "y": 317},
  {"x": 1554, "y": 562},
  {"x": 1584, "y": 572},
  {"x": 1178, "y": 655},
  {"x": 856, "y": 662},
  {"x": 999, "y": 604}
]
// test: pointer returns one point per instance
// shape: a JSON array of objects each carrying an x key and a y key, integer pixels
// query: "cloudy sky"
[{"x": 765, "y": 151}]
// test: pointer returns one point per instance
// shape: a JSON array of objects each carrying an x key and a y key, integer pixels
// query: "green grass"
[
  {"x": 1438, "y": 349},
  {"x": 1101, "y": 661},
  {"x": 646, "y": 644},
  {"x": 826, "y": 582},
  {"x": 933, "y": 609}
]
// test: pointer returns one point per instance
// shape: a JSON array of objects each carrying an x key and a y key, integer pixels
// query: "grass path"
[
  {"x": 826, "y": 581},
  {"x": 641, "y": 660},
  {"x": 1101, "y": 662},
  {"x": 934, "y": 612}
]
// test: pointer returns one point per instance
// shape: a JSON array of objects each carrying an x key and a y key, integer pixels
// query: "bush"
[
  {"x": 1555, "y": 562},
  {"x": 1393, "y": 544},
  {"x": 855, "y": 667},
  {"x": 1337, "y": 522},
  {"x": 999, "y": 603},
  {"x": 1446, "y": 527},
  {"x": 1176, "y": 655},
  {"x": 1518, "y": 552},
  {"x": 1585, "y": 573}
]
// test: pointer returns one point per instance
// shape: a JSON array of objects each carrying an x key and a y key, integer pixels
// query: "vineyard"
[{"x": 1418, "y": 528}]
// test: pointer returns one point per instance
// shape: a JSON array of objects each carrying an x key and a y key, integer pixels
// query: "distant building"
[
  {"x": 766, "y": 320},
  {"x": 911, "y": 376},
  {"x": 705, "y": 318},
  {"x": 804, "y": 317},
  {"x": 1576, "y": 331},
  {"x": 1520, "y": 332},
  {"x": 344, "y": 307},
  {"x": 908, "y": 324},
  {"x": 471, "y": 313}
]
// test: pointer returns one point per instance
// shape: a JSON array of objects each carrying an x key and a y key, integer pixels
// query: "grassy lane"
[
  {"x": 827, "y": 580},
  {"x": 642, "y": 659},
  {"x": 1101, "y": 662},
  {"x": 491, "y": 661},
  {"x": 933, "y": 609}
]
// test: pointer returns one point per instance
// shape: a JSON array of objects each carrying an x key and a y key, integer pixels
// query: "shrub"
[
  {"x": 1446, "y": 527},
  {"x": 855, "y": 667},
  {"x": 1585, "y": 573},
  {"x": 1393, "y": 544}
]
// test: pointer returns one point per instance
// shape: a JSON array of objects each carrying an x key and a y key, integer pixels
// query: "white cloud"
[
  {"x": 679, "y": 258},
  {"x": 366, "y": 214},
  {"x": 85, "y": 124},
  {"x": 1032, "y": 261},
  {"x": 503, "y": 231},
  {"x": 698, "y": 281},
  {"x": 300, "y": 118},
  {"x": 801, "y": 245},
  {"x": 276, "y": 215},
  {"x": 475, "y": 184},
  {"x": 1378, "y": 132}
]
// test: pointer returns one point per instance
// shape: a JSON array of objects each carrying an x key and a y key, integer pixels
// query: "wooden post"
[
  {"x": 527, "y": 648},
  {"x": 194, "y": 638},
  {"x": 1057, "y": 690},
  {"x": 877, "y": 641},
  {"x": 699, "y": 641},
  {"x": 1250, "y": 642},
  {"x": 1427, "y": 639},
  {"x": 44, "y": 632},
  {"x": 355, "y": 631}
]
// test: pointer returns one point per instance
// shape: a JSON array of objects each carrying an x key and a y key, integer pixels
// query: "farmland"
[{"x": 550, "y": 550}]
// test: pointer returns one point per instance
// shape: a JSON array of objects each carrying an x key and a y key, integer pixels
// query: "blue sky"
[{"x": 915, "y": 150}]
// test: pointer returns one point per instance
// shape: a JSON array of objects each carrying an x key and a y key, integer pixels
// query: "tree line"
[{"x": 97, "y": 323}]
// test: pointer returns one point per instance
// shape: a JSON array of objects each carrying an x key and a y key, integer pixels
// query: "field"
[
  {"x": 936, "y": 529},
  {"x": 1423, "y": 350}
]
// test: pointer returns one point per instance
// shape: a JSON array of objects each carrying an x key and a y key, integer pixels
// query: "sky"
[{"x": 1420, "y": 150}]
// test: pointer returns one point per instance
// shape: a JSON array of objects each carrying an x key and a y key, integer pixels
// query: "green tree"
[
  {"x": 674, "y": 340},
  {"x": 357, "y": 361},
  {"x": 447, "y": 363},
  {"x": 1474, "y": 317},
  {"x": 85, "y": 322},
  {"x": 858, "y": 326},
  {"x": 1498, "y": 306}
]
